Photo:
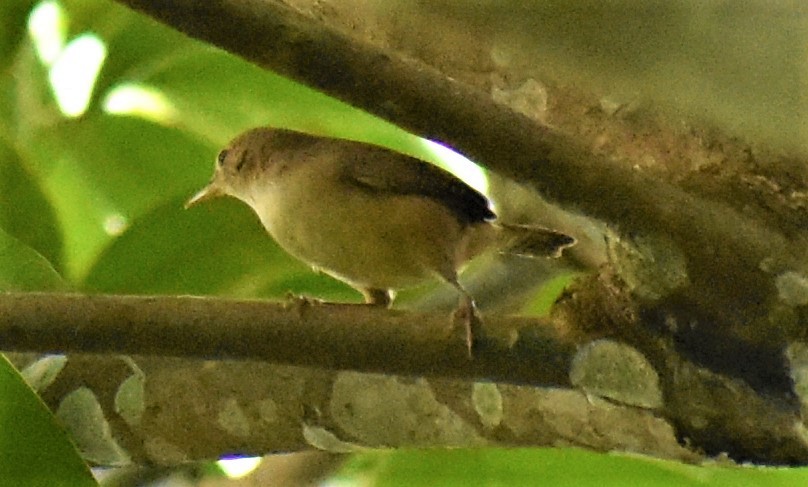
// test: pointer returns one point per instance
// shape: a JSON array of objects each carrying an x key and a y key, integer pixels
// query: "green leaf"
[
  {"x": 219, "y": 95},
  {"x": 26, "y": 99},
  {"x": 136, "y": 45},
  {"x": 550, "y": 466},
  {"x": 34, "y": 450},
  {"x": 24, "y": 209},
  {"x": 104, "y": 171},
  {"x": 22, "y": 269},
  {"x": 547, "y": 294},
  {"x": 13, "y": 22},
  {"x": 217, "y": 248}
]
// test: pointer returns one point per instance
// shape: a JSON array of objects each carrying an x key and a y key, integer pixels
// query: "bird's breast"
[{"x": 365, "y": 238}]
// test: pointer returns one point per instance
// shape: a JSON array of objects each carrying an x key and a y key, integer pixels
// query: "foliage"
[
  {"x": 557, "y": 467},
  {"x": 35, "y": 450}
]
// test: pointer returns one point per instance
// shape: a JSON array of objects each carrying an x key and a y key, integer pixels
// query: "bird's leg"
[
  {"x": 467, "y": 312},
  {"x": 378, "y": 297}
]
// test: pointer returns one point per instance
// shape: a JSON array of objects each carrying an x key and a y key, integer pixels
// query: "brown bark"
[{"x": 299, "y": 332}]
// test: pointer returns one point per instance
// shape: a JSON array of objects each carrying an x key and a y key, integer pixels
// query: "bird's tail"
[{"x": 532, "y": 241}]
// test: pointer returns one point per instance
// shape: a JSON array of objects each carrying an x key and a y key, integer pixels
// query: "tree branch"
[
  {"x": 167, "y": 410},
  {"x": 301, "y": 332},
  {"x": 164, "y": 411}
]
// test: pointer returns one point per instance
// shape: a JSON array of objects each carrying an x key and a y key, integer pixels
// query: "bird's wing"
[{"x": 379, "y": 169}]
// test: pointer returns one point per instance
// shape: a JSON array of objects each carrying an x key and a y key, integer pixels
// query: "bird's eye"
[{"x": 222, "y": 157}]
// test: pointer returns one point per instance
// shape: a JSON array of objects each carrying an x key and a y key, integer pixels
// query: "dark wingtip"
[{"x": 535, "y": 241}]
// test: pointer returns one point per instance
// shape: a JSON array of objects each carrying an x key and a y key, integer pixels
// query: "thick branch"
[
  {"x": 168, "y": 411},
  {"x": 354, "y": 337},
  {"x": 152, "y": 410}
]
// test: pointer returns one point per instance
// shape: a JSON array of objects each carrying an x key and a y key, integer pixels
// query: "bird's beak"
[{"x": 207, "y": 193}]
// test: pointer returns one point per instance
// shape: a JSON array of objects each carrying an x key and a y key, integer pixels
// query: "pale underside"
[{"x": 367, "y": 239}]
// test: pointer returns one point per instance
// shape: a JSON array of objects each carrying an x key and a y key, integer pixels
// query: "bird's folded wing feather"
[{"x": 378, "y": 169}]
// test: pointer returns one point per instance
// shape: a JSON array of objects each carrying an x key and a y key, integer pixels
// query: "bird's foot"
[
  {"x": 300, "y": 302},
  {"x": 467, "y": 314},
  {"x": 296, "y": 299}
]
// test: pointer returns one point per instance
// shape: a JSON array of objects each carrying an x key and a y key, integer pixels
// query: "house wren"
[{"x": 373, "y": 218}]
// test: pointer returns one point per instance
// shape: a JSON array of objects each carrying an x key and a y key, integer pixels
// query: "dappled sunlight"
[
  {"x": 140, "y": 100},
  {"x": 460, "y": 166},
  {"x": 115, "y": 224},
  {"x": 47, "y": 26},
  {"x": 73, "y": 66},
  {"x": 74, "y": 73},
  {"x": 238, "y": 467}
]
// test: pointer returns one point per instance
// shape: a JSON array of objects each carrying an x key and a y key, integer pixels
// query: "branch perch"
[
  {"x": 278, "y": 407},
  {"x": 329, "y": 336}
]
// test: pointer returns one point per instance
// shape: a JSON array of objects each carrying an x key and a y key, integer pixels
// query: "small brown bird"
[{"x": 371, "y": 217}]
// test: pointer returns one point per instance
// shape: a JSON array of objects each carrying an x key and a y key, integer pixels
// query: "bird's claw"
[{"x": 467, "y": 314}]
